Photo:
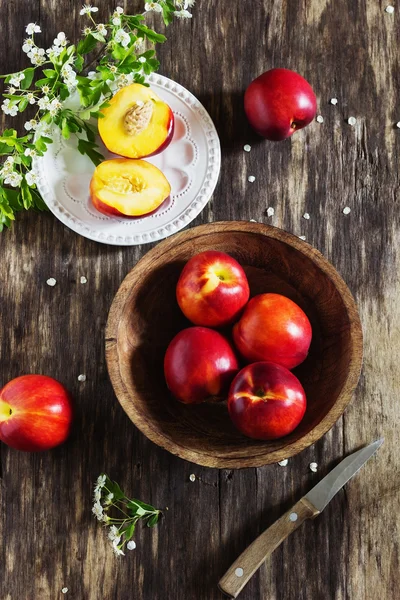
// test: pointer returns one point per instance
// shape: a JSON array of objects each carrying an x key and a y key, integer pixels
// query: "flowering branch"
[
  {"x": 121, "y": 59},
  {"x": 108, "y": 495}
]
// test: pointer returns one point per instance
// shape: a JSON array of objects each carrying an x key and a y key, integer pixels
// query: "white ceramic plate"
[{"x": 191, "y": 163}]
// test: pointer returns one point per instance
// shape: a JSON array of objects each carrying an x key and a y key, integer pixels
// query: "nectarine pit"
[{"x": 137, "y": 118}]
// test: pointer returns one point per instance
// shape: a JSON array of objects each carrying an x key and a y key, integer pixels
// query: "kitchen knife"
[{"x": 308, "y": 507}]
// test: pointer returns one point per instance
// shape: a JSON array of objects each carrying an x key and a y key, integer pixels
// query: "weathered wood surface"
[{"x": 49, "y": 538}]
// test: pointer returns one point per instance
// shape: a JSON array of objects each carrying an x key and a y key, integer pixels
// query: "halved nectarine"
[
  {"x": 137, "y": 123},
  {"x": 130, "y": 188}
]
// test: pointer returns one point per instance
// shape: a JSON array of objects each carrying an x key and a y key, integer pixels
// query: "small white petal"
[
  {"x": 302, "y": 237},
  {"x": 83, "y": 279},
  {"x": 82, "y": 377},
  {"x": 51, "y": 282},
  {"x": 64, "y": 590},
  {"x": 142, "y": 59},
  {"x": 247, "y": 147},
  {"x": 192, "y": 477},
  {"x": 313, "y": 467},
  {"x": 283, "y": 462},
  {"x": 131, "y": 545},
  {"x": 398, "y": 125},
  {"x": 270, "y": 211},
  {"x": 251, "y": 178},
  {"x": 293, "y": 517},
  {"x": 306, "y": 216},
  {"x": 253, "y": 221},
  {"x": 333, "y": 101},
  {"x": 389, "y": 9},
  {"x": 346, "y": 210},
  {"x": 320, "y": 119},
  {"x": 352, "y": 120}
]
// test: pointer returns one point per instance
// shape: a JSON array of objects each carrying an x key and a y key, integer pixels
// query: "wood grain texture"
[
  {"x": 244, "y": 567},
  {"x": 145, "y": 317},
  {"x": 347, "y": 49}
]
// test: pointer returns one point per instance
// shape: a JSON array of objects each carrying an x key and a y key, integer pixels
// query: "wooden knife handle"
[{"x": 252, "y": 558}]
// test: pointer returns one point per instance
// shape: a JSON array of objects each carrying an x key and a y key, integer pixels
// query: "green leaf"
[
  {"x": 23, "y": 104},
  {"x": 153, "y": 520},
  {"x": 65, "y": 130},
  {"x": 148, "y": 54},
  {"x": 10, "y": 133},
  {"x": 26, "y": 160},
  {"x": 29, "y": 74},
  {"x": 79, "y": 61},
  {"x": 4, "y": 149},
  {"x": 63, "y": 91},
  {"x": 38, "y": 202},
  {"x": 49, "y": 73},
  {"x": 129, "y": 531},
  {"x": 97, "y": 36},
  {"x": 9, "y": 141},
  {"x": 156, "y": 38},
  {"x": 86, "y": 45},
  {"x": 139, "y": 508},
  {"x": 41, "y": 144},
  {"x": 26, "y": 195},
  {"x": 41, "y": 82}
]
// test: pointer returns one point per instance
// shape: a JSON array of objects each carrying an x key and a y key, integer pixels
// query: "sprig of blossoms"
[
  {"x": 110, "y": 500},
  {"x": 124, "y": 52}
]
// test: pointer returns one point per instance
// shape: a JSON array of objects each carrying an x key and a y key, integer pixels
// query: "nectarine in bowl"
[{"x": 145, "y": 317}]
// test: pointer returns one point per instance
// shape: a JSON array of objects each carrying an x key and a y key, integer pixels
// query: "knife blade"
[{"x": 308, "y": 507}]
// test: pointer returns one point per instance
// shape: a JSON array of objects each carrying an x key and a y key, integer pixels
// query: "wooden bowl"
[{"x": 144, "y": 317}]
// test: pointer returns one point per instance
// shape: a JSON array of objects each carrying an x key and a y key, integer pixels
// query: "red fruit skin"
[
  {"x": 278, "y": 103},
  {"x": 273, "y": 328},
  {"x": 169, "y": 135},
  {"x": 199, "y": 364},
  {"x": 207, "y": 300},
  {"x": 41, "y": 413},
  {"x": 266, "y": 401}
]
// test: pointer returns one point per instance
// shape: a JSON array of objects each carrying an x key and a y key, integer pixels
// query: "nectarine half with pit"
[
  {"x": 137, "y": 123},
  {"x": 130, "y": 188}
]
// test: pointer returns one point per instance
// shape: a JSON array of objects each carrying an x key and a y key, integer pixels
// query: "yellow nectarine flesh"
[
  {"x": 131, "y": 188},
  {"x": 137, "y": 123}
]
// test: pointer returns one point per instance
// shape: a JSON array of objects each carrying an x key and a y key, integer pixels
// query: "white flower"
[
  {"x": 113, "y": 68},
  {"x": 101, "y": 28},
  {"x": 28, "y": 45},
  {"x": 138, "y": 45},
  {"x": 97, "y": 495},
  {"x": 190, "y": 3},
  {"x": 87, "y": 9},
  {"x": 142, "y": 59},
  {"x": 44, "y": 103},
  {"x": 54, "y": 51},
  {"x": 122, "y": 37},
  {"x": 131, "y": 545},
  {"x": 182, "y": 14},
  {"x": 55, "y": 106},
  {"x": 109, "y": 498},
  {"x": 8, "y": 109},
  {"x": 30, "y": 97},
  {"x": 124, "y": 79},
  {"x": 86, "y": 30},
  {"x": 101, "y": 481},
  {"x": 32, "y": 124},
  {"x": 106, "y": 518},
  {"x": 32, "y": 28},
  {"x": 97, "y": 510},
  {"x": 11, "y": 90},
  {"x": 37, "y": 56},
  {"x": 153, "y": 6},
  {"x": 60, "y": 40},
  {"x": 16, "y": 79},
  {"x": 116, "y": 21},
  {"x": 119, "y": 10},
  {"x": 43, "y": 128},
  {"x": 31, "y": 178},
  {"x": 30, "y": 152},
  {"x": 113, "y": 534},
  {"x": 8, "y": 164},
  {"x": 14, "y": 179},
  {"x": 117, "y": 550},
  {"x": 181, "y": 4},
  {"x": 45, "y": 89}
]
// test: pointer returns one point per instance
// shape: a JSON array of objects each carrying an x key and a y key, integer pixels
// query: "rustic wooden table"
[{"x": 49, "y": 538}]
